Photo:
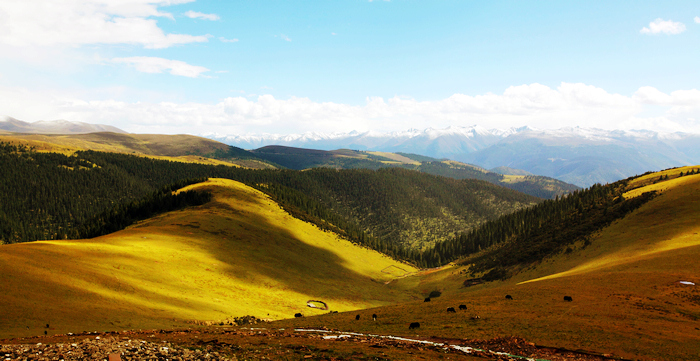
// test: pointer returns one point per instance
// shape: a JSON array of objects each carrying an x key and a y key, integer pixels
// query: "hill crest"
[
  {"x": 54, "y": 127},
  {"x": 238, "y": 255}
]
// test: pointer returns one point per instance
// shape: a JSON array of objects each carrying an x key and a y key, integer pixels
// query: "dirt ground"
[{"x": 231, "y": 343}]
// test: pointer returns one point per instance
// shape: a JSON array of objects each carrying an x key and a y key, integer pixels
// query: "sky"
[{"x": 291, "y": 67}]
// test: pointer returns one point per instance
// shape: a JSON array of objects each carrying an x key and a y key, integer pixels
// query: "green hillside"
[
  {"x": 300, "y": 159},
  {"x": 394, "y": 210},
  {"x": 187, "y": 148}
]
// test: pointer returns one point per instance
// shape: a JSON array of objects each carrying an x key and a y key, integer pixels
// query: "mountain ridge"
[
  {"x": 303, "y": 158},
  {"x": 54, "y": 127},
  {"x": 578, "y": 155}
]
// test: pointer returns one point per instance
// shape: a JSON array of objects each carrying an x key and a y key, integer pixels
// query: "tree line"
[
  {"x": 424, "y": 219},
  {"x": 529, "y": 235}
]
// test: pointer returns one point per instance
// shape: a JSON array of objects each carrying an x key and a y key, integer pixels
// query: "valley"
[
  {"x": 357, "y": 180},
  {"x": 270, "y": 240}
]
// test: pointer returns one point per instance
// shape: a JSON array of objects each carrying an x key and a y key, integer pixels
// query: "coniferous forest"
[
  {"x": 54, "y": 196},
  {"x": 424, "y": 219}
]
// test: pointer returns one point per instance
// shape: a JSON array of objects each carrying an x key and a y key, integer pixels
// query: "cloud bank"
[
  {"x": 74, "y": 23},
  {"x": 570, "y": 104}
]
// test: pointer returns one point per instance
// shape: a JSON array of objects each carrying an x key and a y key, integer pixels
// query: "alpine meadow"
[{"x": 349, "y": 180}]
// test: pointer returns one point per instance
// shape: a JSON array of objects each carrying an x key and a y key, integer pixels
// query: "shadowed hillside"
[
  {"x": 239, "y": 254},
  {"x": 300, "y": 159},
  {"x": 634, "y": 288},
  {"x": 393, "y": 210},
  {"x": 626, "y": 255}
]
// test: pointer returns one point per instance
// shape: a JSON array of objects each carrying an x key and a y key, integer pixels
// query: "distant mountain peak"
[
  {"x": 578, "y": 155},
  {"x": 60, "y": 126}
]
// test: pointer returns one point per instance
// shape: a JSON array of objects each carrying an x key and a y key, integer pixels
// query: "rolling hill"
[
  {"x": 54, "y": 127},
  {"x": 632, "y": 278},
  {"x": 187, "y": 148},
  {"x": 393, "y": 210},
  {"x": 238, "y": 255},
  {"x": 184, "y": 148},
  {"x": 300, "y": 159},
  {"x": 634, "y": 288},
  {"x": 581, "y": 156}
]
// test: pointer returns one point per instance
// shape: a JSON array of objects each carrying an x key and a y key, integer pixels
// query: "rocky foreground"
[
  {"x": 276, "y": 344},
  {"x": 106, "y": 348}
]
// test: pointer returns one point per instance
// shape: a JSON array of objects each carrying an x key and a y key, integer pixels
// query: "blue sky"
[{"x": 252, "y": 67}]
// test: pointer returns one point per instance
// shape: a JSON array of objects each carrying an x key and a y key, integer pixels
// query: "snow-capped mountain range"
[{"x": 581, "y": 156}]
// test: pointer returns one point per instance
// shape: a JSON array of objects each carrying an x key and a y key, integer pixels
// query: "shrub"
[{"x": 434, "y": 294}]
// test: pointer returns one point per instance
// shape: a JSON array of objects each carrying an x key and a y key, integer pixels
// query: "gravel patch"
[{"x": 100, "y": 348}]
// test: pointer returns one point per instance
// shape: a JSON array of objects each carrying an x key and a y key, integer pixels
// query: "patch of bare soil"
[{"x": 219, "y": 343}]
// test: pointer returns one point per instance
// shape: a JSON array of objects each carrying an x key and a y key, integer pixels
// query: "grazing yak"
[
  {"x": 374, "y": 317},
  {"x": 568, "y": 298},
  {"x": 357, "y": 317},
  {"x": 509, "y": 297},
  {"x": 298, "y": 315},
  {"x": 451, "y": 309},
  {"x": 462, "y": 307},
  {"x": 414, "y": 325},
  {"x": 427, "y": 299}
]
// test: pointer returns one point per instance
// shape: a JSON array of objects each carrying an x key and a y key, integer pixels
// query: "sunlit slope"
[
  {"x": 667, "y": 223},
  {"x": 628, "y": 299},
  {"x": 148, "y": 144},
  {"x": 240, "y": 254},
  {"x": 626, "y": 286},
  {"x": 183, "y": 148}
]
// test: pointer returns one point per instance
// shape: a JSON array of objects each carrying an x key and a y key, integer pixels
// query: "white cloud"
[
  {"x": 536, "y": 105},
  {"x": 81, "y": 22},
  {"x": 149, "y": 64},
  {"x": 697, "y": 19},
  {"x": 678, "y": 98},
  {"x": 224, "y": 40},
  {"x": 197, "y": 15},
  {"x": 285, "y": 37},
  {"x": 663, "y": 26}
]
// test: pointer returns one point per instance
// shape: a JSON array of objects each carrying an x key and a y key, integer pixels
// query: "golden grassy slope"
[
  {"x": 398, "y": 158},
  {"x": 240, "y": 254},
  {"x": 147, "y": 144},
  {"x": 627, "y": 298},
  {"x": 165, "y": 147}
]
